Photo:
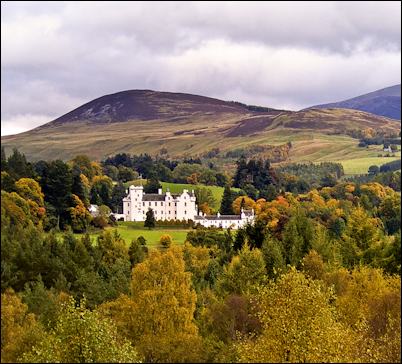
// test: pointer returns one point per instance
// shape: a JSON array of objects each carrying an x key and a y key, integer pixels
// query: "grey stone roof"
[{"x": 153, "y": 197}]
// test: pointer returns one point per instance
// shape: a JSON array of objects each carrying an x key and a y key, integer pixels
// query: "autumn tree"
[
  {"x": 165, "y": 241},
  {"x": 82, "y": 336},
  {"x": 19, "y": 328},
  {"x": 80, "y": 216},
  {"x": 243, "y": 273},
  {"x": 242, "y": 202},
  {"x": 31, "y": 191},
  {"x": 204, "y": 197},
  {"x": 80, "y": 185},
  {"x": 299, "y": 325},
  {"x": 101, "y": 190},
  {"x": 158, "y": 316}
]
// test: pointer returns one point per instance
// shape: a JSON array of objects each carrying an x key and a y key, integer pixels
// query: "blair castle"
[
  {"x": 165, "y": 206},
  {"x": 169, "y": 206}
]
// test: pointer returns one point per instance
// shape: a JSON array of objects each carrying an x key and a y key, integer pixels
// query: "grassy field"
[
  {"x": 132, "y": 230},
  {"x": 217, "y": 191},
  {"x": 361, "y": 165}
]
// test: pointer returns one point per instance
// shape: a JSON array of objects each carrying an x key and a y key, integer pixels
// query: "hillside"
[
  {"x": 384, "y": 102},
  {"x": 181, "y": 124}
]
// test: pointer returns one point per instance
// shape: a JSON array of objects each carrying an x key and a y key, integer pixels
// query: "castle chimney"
[{"x": 159, "y": 191}]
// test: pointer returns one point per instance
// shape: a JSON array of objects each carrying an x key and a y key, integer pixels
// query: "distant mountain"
[
  {"x": 384, "y": 102},
  {"x": 145, "y": 121}
]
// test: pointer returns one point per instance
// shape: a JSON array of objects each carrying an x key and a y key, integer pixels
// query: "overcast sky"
[{"x": 56, "y": 56}]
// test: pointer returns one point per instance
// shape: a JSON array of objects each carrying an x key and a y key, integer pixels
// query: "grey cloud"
[{"x": 56, "y": 56}]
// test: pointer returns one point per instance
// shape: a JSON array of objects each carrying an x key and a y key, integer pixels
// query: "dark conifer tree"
[
  {"x": 150, "y": 219},
  {"x": 227, "y": 200}
]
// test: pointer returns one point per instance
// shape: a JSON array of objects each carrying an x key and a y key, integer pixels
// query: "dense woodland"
[{"x": 315, "y": 279}]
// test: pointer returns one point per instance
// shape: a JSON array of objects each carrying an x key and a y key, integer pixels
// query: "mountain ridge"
[
  {"x": 147, "y": 121},
  {"x": 383, "y": 102}
]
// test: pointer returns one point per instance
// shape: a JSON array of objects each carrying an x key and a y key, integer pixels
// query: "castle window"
[
  {"x": 169, "y": 203},
  {"x": 185, "y": 204},
  {"x": 156, "y": 203},
  {"x": 143, "y": 204},
  {"x": 185, "y": 212},
  {"x": 161, "y": 203}
]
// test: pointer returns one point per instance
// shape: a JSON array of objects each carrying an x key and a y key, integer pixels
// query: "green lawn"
[
  {"x": 217, "y": 191},
  {"x": 132, "y": 230},
  {"x": 361, "y": 165}
]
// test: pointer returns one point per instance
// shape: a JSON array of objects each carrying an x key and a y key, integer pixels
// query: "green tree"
[
  {"x": 137, "y": 251},
  {"x": 150, "y": 219},
  {"x": 152, "y": 186},
  {"x": 373, "y": 170},
  {"x": 4, "y": 164},
  {"x": 118, "y": 193},
  {"x": 101, "y": 191},
  {"x": 244, "y": 272},
  {"x": 126, "y": 174},
  {"x": 18, "y": 166},
  {"x": 204, "y": 195},
  {"x": 297, "y": 238},
  {"x": 227, "y": 200},
  {"x": 82, "y": 336},
  {"x": 56, "y": 183},
  {"x": 273, "y": 255}
]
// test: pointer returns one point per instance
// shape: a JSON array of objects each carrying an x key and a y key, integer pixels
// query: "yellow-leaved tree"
[
  {"x": 244, "y": 202},
  {"x": 299, "y": 325},
  {"x": 31, "y": 191},
  {"x": 158, "y": 318},
  {"x": 19, "y": 328},
  {"x": 81, "y": 336}
]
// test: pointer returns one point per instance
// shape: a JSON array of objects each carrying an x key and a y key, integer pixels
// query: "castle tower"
[{"x": 132, "y": 204}]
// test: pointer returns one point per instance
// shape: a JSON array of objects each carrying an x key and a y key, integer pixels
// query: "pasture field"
[
  {"x": 361, "y": 165},
  {"x": 132, "y": 230},
  {"x": 217, "y": 191}
]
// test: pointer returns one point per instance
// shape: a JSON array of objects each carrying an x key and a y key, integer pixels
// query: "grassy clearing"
[
  {"x": 132, "y": 230},
  {"x": 217, "y": 191},
  {"x": 361, "y": 165}
]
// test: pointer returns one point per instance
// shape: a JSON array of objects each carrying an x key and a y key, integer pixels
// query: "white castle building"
[
  {"x": 165, "y": 206},
  {"x": 169, "y": 206},
  {"x": 226, "y": 221}
]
